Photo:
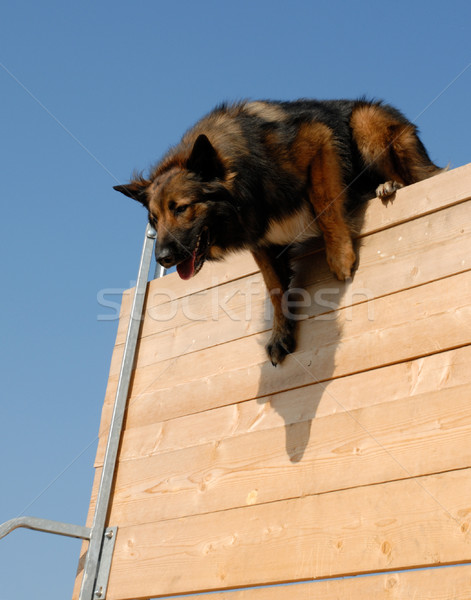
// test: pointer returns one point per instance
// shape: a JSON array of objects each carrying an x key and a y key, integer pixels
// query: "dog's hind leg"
[
  {"x": 276, "y": 273},
  {"x": 389, "y": 145},
  {"x": 327, "y": 194}
]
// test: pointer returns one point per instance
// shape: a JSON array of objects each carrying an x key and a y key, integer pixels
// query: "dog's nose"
[{"x": 165, "y": 257}]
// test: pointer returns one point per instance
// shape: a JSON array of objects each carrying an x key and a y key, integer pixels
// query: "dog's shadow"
[{"x": 296, "y": 388}]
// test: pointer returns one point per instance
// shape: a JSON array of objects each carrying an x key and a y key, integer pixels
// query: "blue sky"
[{"x": 91, "y": 91}]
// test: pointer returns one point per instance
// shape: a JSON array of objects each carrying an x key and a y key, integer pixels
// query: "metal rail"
[
  {"x": 102, "y": 539},
  {"x": 76, "y": 531},
  {"x": 90, "y": 570}
]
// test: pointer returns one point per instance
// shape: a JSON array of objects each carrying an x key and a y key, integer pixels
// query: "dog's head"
[{"x": 189, "y": 205}]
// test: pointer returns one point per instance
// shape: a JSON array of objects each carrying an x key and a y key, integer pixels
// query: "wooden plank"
[
  {"x": 412, "y": 254},
  {"x": 411, "y": 437},
  {"x": 404, "y": 326},
  {"x": 414, "y": 201},
  {"x": 422, "y": 198},
  {"x": 446, "y": 583},
  {"x": 212, "y": 274},
  {"x": 146, "y": 432},
  {"x": 405, "y": 524}
]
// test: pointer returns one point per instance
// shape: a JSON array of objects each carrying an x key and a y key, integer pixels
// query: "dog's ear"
[
  {"x": 204, "y": 160},
  {"x": 135, "y": 190}
]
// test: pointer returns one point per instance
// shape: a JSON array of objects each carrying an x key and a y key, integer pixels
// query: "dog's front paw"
[
  {"x": 281, "y": 343},
  {"x": 341, "y": 262}
]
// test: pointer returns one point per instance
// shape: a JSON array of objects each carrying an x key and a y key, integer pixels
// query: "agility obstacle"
[{"x": 351, "y": 458}]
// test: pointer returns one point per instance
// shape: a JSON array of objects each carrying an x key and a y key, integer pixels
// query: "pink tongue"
[{"x": 186, "y": 269}]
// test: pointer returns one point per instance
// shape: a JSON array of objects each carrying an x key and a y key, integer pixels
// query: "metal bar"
[
  {"x": 159, "y": 271},
  {"x": 87, "y": 590},
  {"x": 67, "y": 529},
  {"x": 106, "y": 557}
]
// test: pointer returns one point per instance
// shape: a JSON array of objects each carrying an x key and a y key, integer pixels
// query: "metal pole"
[
  {"x": 67, "y": 529},
  {"x": 159, "y": 271},
  {"x": 87, "y": 590}
]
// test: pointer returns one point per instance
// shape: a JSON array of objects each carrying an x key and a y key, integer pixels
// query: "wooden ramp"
[{"x": 353, "y": 457}]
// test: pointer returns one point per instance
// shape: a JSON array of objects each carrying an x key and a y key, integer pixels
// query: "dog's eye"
[{"x": 180, "y": 209}]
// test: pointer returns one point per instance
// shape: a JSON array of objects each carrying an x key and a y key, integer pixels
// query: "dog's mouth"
[{"x": 191, "y": 266}]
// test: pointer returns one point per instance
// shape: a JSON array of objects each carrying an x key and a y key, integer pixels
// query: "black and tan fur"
[{"x": 266, "y": 175}]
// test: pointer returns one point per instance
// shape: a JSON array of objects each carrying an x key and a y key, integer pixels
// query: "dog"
[{"x": 267, "y": 175}]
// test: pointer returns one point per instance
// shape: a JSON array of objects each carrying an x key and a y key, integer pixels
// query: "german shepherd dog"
[{"x": 265, "y": 175}]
